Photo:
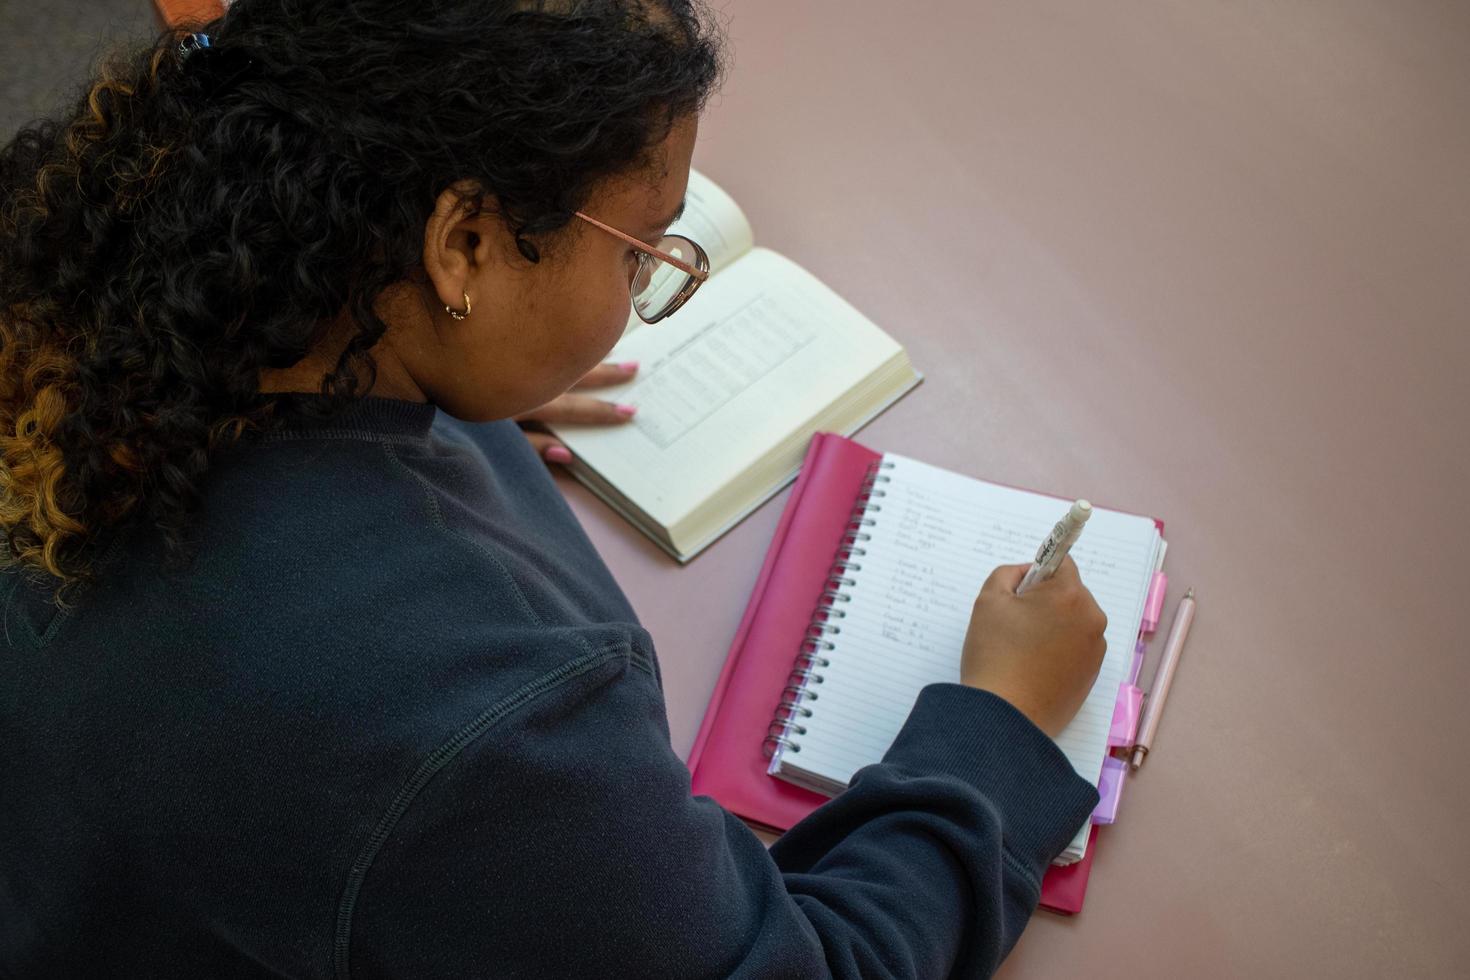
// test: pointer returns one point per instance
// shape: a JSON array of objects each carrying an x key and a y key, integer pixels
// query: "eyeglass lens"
[{"x": 657, "y": 283}]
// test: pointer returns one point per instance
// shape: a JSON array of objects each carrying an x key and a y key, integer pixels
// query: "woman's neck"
[{"x": 393, "y": 379}]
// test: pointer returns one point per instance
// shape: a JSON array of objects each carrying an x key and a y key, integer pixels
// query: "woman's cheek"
[
  {"x": 600, "y": 325},
  {"x": 615, "y": 321}
]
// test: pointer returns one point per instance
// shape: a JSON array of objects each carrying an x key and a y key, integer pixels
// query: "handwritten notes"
[{"x": 935, "y": 537}]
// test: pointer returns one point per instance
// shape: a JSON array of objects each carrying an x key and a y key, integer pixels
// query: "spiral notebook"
[{"x": 863, "y": 599}]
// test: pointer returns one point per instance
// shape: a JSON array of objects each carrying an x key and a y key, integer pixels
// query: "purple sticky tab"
[
  {"x": 1110, "y": 790},
  {"x": 1125, "y": 716},
  {"x": 1137, "y": 661}
]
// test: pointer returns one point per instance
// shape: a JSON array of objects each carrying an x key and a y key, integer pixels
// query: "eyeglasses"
[{"x": 667, "y": 275}]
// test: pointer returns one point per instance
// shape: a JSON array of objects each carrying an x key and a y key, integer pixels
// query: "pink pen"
[{"x": 1154, "y": 700}]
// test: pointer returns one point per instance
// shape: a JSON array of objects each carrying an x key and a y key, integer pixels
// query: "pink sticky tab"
[
  {"x": 1137, "y": 664},
  {"x": 1110, "y": 790},
  {"x": 1125, "y": 716},
  {"x": 1153, "y": 605}
]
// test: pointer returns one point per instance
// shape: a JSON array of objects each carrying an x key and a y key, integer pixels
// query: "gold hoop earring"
[{"x": 455, "y": 313}]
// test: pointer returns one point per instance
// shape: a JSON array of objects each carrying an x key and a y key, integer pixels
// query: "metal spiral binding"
[{"x": 785, "y": 722}]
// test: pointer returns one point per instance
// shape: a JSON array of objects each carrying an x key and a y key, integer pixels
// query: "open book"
[{"x": 732, "y": 387}]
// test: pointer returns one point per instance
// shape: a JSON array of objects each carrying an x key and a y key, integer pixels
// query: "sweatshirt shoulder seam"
[
  {"x": 436, "y": 517},
  {"x": 437, "y": 760}
]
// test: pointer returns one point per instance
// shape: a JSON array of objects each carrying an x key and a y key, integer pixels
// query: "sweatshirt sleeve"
[{"x": 561, "y": 840}]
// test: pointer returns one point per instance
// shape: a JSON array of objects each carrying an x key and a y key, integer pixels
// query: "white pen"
[{"x": 1056, "y": 545}]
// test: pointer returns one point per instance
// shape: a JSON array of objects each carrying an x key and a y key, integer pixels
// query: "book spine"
[{"x": 786, "y": 725}]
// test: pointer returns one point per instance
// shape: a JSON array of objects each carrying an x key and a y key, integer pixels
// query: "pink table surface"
[{"x": 1205, "y": 261}]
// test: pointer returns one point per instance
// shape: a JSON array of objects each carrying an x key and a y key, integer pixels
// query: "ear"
[{"x": 459, "y": 246}]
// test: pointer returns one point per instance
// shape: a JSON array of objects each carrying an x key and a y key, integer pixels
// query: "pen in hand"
[{"x": 1056, "y": 545}]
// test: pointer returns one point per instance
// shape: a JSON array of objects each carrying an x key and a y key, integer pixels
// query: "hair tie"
[
  {"x": 213, "y": 67},
  {"x": 192, "y": 43}
]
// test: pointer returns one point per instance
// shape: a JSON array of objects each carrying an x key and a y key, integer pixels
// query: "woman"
[{"x": 310, "y": 671}]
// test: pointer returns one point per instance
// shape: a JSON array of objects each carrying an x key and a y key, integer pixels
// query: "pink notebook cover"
[
  {"x": 727, "y": 761},
  {"x": 1062, "y": 889}
]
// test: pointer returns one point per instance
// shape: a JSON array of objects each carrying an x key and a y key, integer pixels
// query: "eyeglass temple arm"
[{"x": 697, "y": 273}]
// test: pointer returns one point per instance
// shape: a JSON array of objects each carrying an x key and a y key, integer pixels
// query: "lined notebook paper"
[{"x": 905, "y": 603}]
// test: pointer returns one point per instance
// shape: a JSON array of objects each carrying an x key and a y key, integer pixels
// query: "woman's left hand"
[{"x": 578, "y": 408}]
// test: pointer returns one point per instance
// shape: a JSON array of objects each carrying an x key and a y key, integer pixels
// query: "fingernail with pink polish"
[
  {"x": 629, "y": 365},
  {"x": 559, "y": 454},
  {"x": 626, "y": 410}
]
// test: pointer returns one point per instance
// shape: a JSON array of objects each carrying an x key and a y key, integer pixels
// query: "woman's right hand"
[{"x": 1040, "y": 651}]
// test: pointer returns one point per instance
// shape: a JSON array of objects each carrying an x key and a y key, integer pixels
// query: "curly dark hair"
[{"x": 198, "y": 217}]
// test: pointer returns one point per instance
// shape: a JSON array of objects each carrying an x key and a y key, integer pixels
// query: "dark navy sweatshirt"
[{"x": 397, "y": 720}]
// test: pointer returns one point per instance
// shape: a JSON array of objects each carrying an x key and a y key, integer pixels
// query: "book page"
[
  {"x": 936, "y": 537},
  {"x": 760, "y": 349},
  {"x": 713, "y": 219}
]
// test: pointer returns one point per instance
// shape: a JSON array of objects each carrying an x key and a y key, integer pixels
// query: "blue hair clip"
[{"x": 192, "y": 43}]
